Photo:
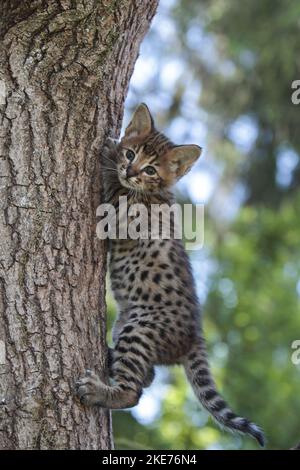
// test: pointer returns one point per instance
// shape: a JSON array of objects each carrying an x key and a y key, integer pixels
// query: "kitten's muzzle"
[{"x": 130, "y": 172}]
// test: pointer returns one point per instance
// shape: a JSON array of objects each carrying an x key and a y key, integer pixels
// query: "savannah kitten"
[{"x": 159, "y": 321}]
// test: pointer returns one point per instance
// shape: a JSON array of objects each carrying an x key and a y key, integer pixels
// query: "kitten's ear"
[
  {"x": 141, "y": 123},
  {"x": 183, "y": 157}
]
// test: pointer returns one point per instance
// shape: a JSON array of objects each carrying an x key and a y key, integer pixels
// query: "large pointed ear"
[
  {"x": 183, "y": 157},
  {"x": 141, "y": 123}
]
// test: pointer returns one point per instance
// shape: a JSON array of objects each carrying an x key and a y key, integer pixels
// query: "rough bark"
[{"x": 64, "y": 72}]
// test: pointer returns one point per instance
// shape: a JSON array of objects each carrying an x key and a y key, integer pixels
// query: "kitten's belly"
[
  {"x": 142, "y": 269},
  {"x": 153, "y": 276}
]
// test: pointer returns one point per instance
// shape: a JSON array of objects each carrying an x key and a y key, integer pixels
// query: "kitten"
[{"x": 159, "y": 321}]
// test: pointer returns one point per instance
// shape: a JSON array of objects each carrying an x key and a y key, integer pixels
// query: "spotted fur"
[{"x": 158, "y": 321}]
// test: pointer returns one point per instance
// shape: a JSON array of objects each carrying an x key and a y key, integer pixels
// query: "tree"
[{"x": 65, "y": 68}]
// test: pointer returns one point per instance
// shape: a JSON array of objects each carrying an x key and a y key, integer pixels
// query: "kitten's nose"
[{"x": 131, "y": 172}]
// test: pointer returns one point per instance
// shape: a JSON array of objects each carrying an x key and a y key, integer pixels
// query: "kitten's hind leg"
[
  {"x": 128, "y": 381},
  {"x": 92, "y": 391},
  {"x": 131, "y": 368},
  {"x": 110, "y": 360},
  {"x": 149, "y": 378}
]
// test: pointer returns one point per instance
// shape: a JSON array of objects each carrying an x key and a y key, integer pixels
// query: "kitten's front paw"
[
  {"x": 110, "y": 147},
  {"x": 88, "y": 389},
  {"x": 110, "y": 141}
]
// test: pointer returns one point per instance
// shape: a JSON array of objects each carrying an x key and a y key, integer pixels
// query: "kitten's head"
[{"x": 148, "y": 160}]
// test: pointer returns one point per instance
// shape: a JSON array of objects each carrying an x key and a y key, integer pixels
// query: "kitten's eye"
[
  {"x": 150, "y": 170},
  {"x": 130, "y": 155}
]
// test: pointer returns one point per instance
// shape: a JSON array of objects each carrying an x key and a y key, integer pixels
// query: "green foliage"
[
  {"x": 253, "y": 309},
  {"x": 256, "y": 61}
]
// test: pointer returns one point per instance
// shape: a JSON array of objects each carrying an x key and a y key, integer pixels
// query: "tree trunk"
[{"x": 64, "y": 73}]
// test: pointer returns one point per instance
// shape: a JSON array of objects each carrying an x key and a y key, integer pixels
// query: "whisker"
[
  {"x": 109, "y": 159},
  {"x": 110, "y": 169}
]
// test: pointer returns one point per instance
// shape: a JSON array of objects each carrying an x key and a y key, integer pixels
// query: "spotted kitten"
[{"x": 152, "y": 282}]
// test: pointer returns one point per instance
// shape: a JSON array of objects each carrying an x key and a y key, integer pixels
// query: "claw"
[
  {"x": 82, "y": 400},
  {"x": 111, "y": 140}
]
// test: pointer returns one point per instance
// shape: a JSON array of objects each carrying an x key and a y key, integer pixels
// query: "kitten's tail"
[{"x": 198, "y": 372}]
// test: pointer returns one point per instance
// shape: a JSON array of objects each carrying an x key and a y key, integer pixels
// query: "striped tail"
[{"x": 198, "y": 373}]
